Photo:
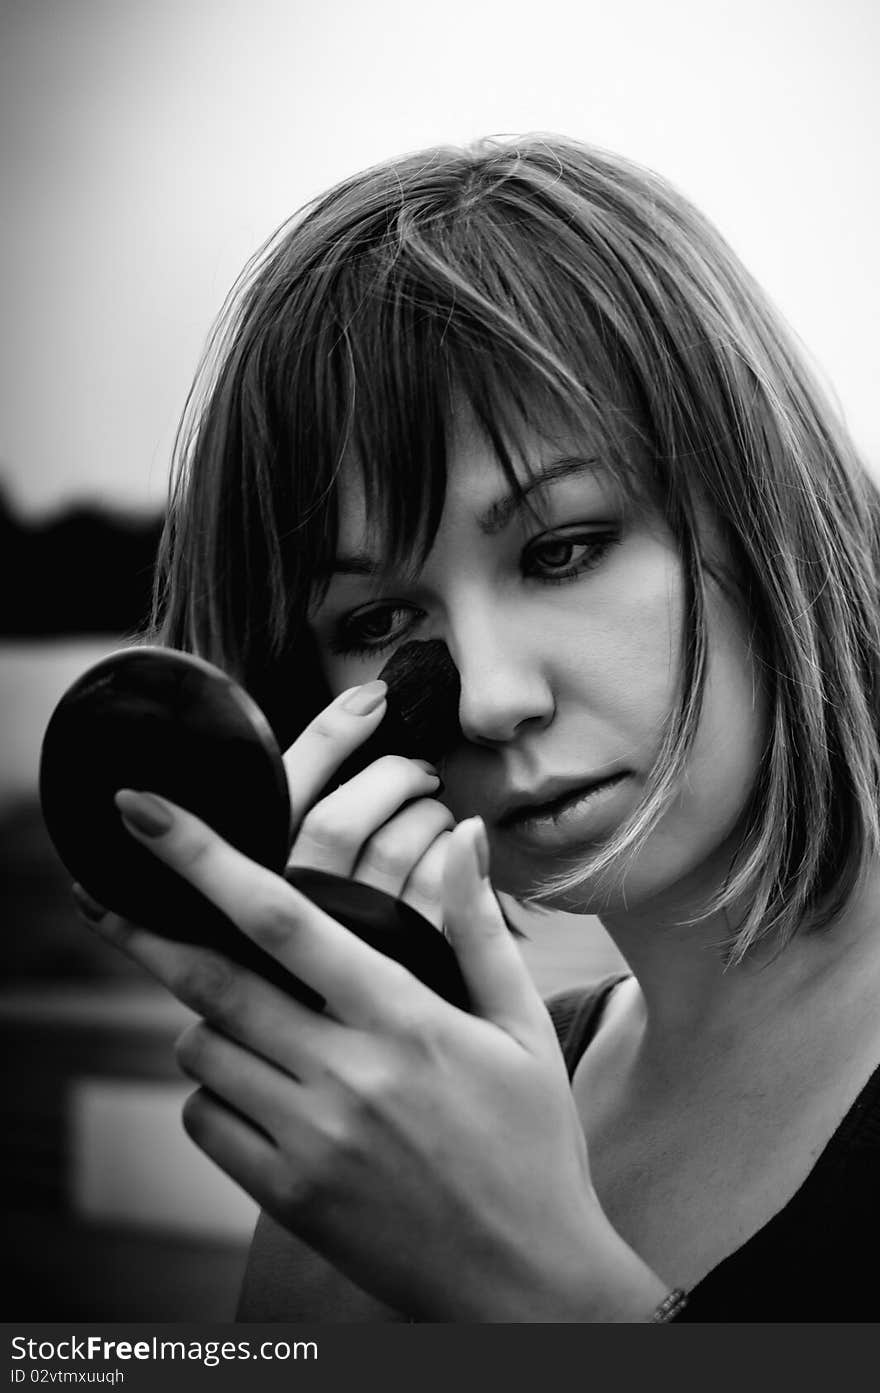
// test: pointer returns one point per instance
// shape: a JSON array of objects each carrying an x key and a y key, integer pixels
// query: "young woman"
[{"x": 523, "y": 398}]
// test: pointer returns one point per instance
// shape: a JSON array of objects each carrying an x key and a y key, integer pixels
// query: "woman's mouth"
[{"x": 563, "y": 819}]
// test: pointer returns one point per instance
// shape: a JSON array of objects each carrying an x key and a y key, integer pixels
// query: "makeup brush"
[{"x": 421, "y": 720}]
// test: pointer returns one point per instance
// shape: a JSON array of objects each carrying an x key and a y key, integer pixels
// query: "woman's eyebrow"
[
  {"x": 358, "y": 564},
  {"x": 492, "y": 520},
  {"x": 498, "y": 514}
]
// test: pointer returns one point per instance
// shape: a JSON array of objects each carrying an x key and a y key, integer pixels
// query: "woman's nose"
[{"x": 503, "y": 689}]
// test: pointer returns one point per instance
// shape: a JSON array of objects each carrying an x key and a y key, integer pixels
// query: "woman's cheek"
[{"x": 464, "y": 790}]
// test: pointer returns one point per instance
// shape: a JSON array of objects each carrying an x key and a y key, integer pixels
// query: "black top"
[{"x": 814, "y": 1261}]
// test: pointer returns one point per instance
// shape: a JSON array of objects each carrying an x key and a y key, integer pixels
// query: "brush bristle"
[{"x": 423, "y": 699}]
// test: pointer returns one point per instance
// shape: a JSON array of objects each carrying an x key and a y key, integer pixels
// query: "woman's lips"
[{"x": 562, "y": 818}]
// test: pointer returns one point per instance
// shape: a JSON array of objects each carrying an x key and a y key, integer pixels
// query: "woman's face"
[{"x": 565, "y": 629}]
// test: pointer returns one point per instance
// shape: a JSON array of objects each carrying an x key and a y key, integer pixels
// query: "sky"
[{"x": 148, "y": 148}]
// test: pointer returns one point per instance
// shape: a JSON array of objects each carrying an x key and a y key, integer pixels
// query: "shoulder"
[{"x": 576, "y": 1013}]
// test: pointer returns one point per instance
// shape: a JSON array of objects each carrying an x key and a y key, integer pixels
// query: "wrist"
[
  {"x": 622, "y": 1288},
  {"x": 599, "y": 1279},
  {"x": 607, "y": 1281}
]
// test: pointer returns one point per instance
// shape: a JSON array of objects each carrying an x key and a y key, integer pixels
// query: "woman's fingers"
[
  {"x": 332, "y": 834},
  {"x": 359, "y": 984},
  {"x": 88, "y": 908},
  {"x": 423, "y": 890},
  {"x": 236, "y": 1147},
  {"x": 237, "y": 1001},
  {"x": 287, "y": 1180},
  {"x": 377, "y": 826},
  {"x": 499, "y": 983},
  {"x": 334, "y": 734},
  {"x": 393, "y": 855},
  {"x": 253, "y": 1086}
]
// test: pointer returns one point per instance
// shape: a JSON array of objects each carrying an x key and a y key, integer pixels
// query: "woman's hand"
[
  {"x": 382, "y": 827},
  {"x": 434, "y": 1156}
]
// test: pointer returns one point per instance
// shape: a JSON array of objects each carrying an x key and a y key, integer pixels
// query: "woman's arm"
[{"x": 286, "y": 1280}]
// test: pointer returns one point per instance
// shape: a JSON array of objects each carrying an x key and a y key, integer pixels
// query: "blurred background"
[{"x": 147, "y": 148}]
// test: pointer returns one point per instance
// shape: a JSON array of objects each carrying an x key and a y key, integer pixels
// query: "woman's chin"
[{"x": 526, "y": 882}]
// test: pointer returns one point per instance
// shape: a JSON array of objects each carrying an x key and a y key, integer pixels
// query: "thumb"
[{"x": 498, "y": 980}]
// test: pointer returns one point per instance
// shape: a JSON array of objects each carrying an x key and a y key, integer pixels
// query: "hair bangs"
[{"x": 428, "y": 319}]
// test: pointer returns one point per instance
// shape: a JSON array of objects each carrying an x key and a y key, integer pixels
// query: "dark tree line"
[{"x": 86, "y": 570}]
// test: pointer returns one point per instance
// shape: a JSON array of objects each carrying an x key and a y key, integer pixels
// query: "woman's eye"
[
  {"x": 370, "y": 631},
  {"x": 561, "y": 557},
  {"x": 550, "y": 559}
]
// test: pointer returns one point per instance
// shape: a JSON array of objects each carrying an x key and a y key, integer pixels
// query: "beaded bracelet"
[{"x": 671, "y": 1305}]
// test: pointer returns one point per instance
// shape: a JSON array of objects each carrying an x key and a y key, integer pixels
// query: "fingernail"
[
  {"x": 365, "y": 699},
  {"x": 88, "y": 908},
  {"x": 146, "y": 813},
  {"x": 481, "y": 848},
  {"x": 432, "y": 771}
]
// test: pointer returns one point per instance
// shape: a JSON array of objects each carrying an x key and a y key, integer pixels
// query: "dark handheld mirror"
[{"x": 166, "y": 721}]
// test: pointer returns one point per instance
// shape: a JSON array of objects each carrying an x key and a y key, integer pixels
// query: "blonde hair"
[{"x": 541, "y": 274}]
